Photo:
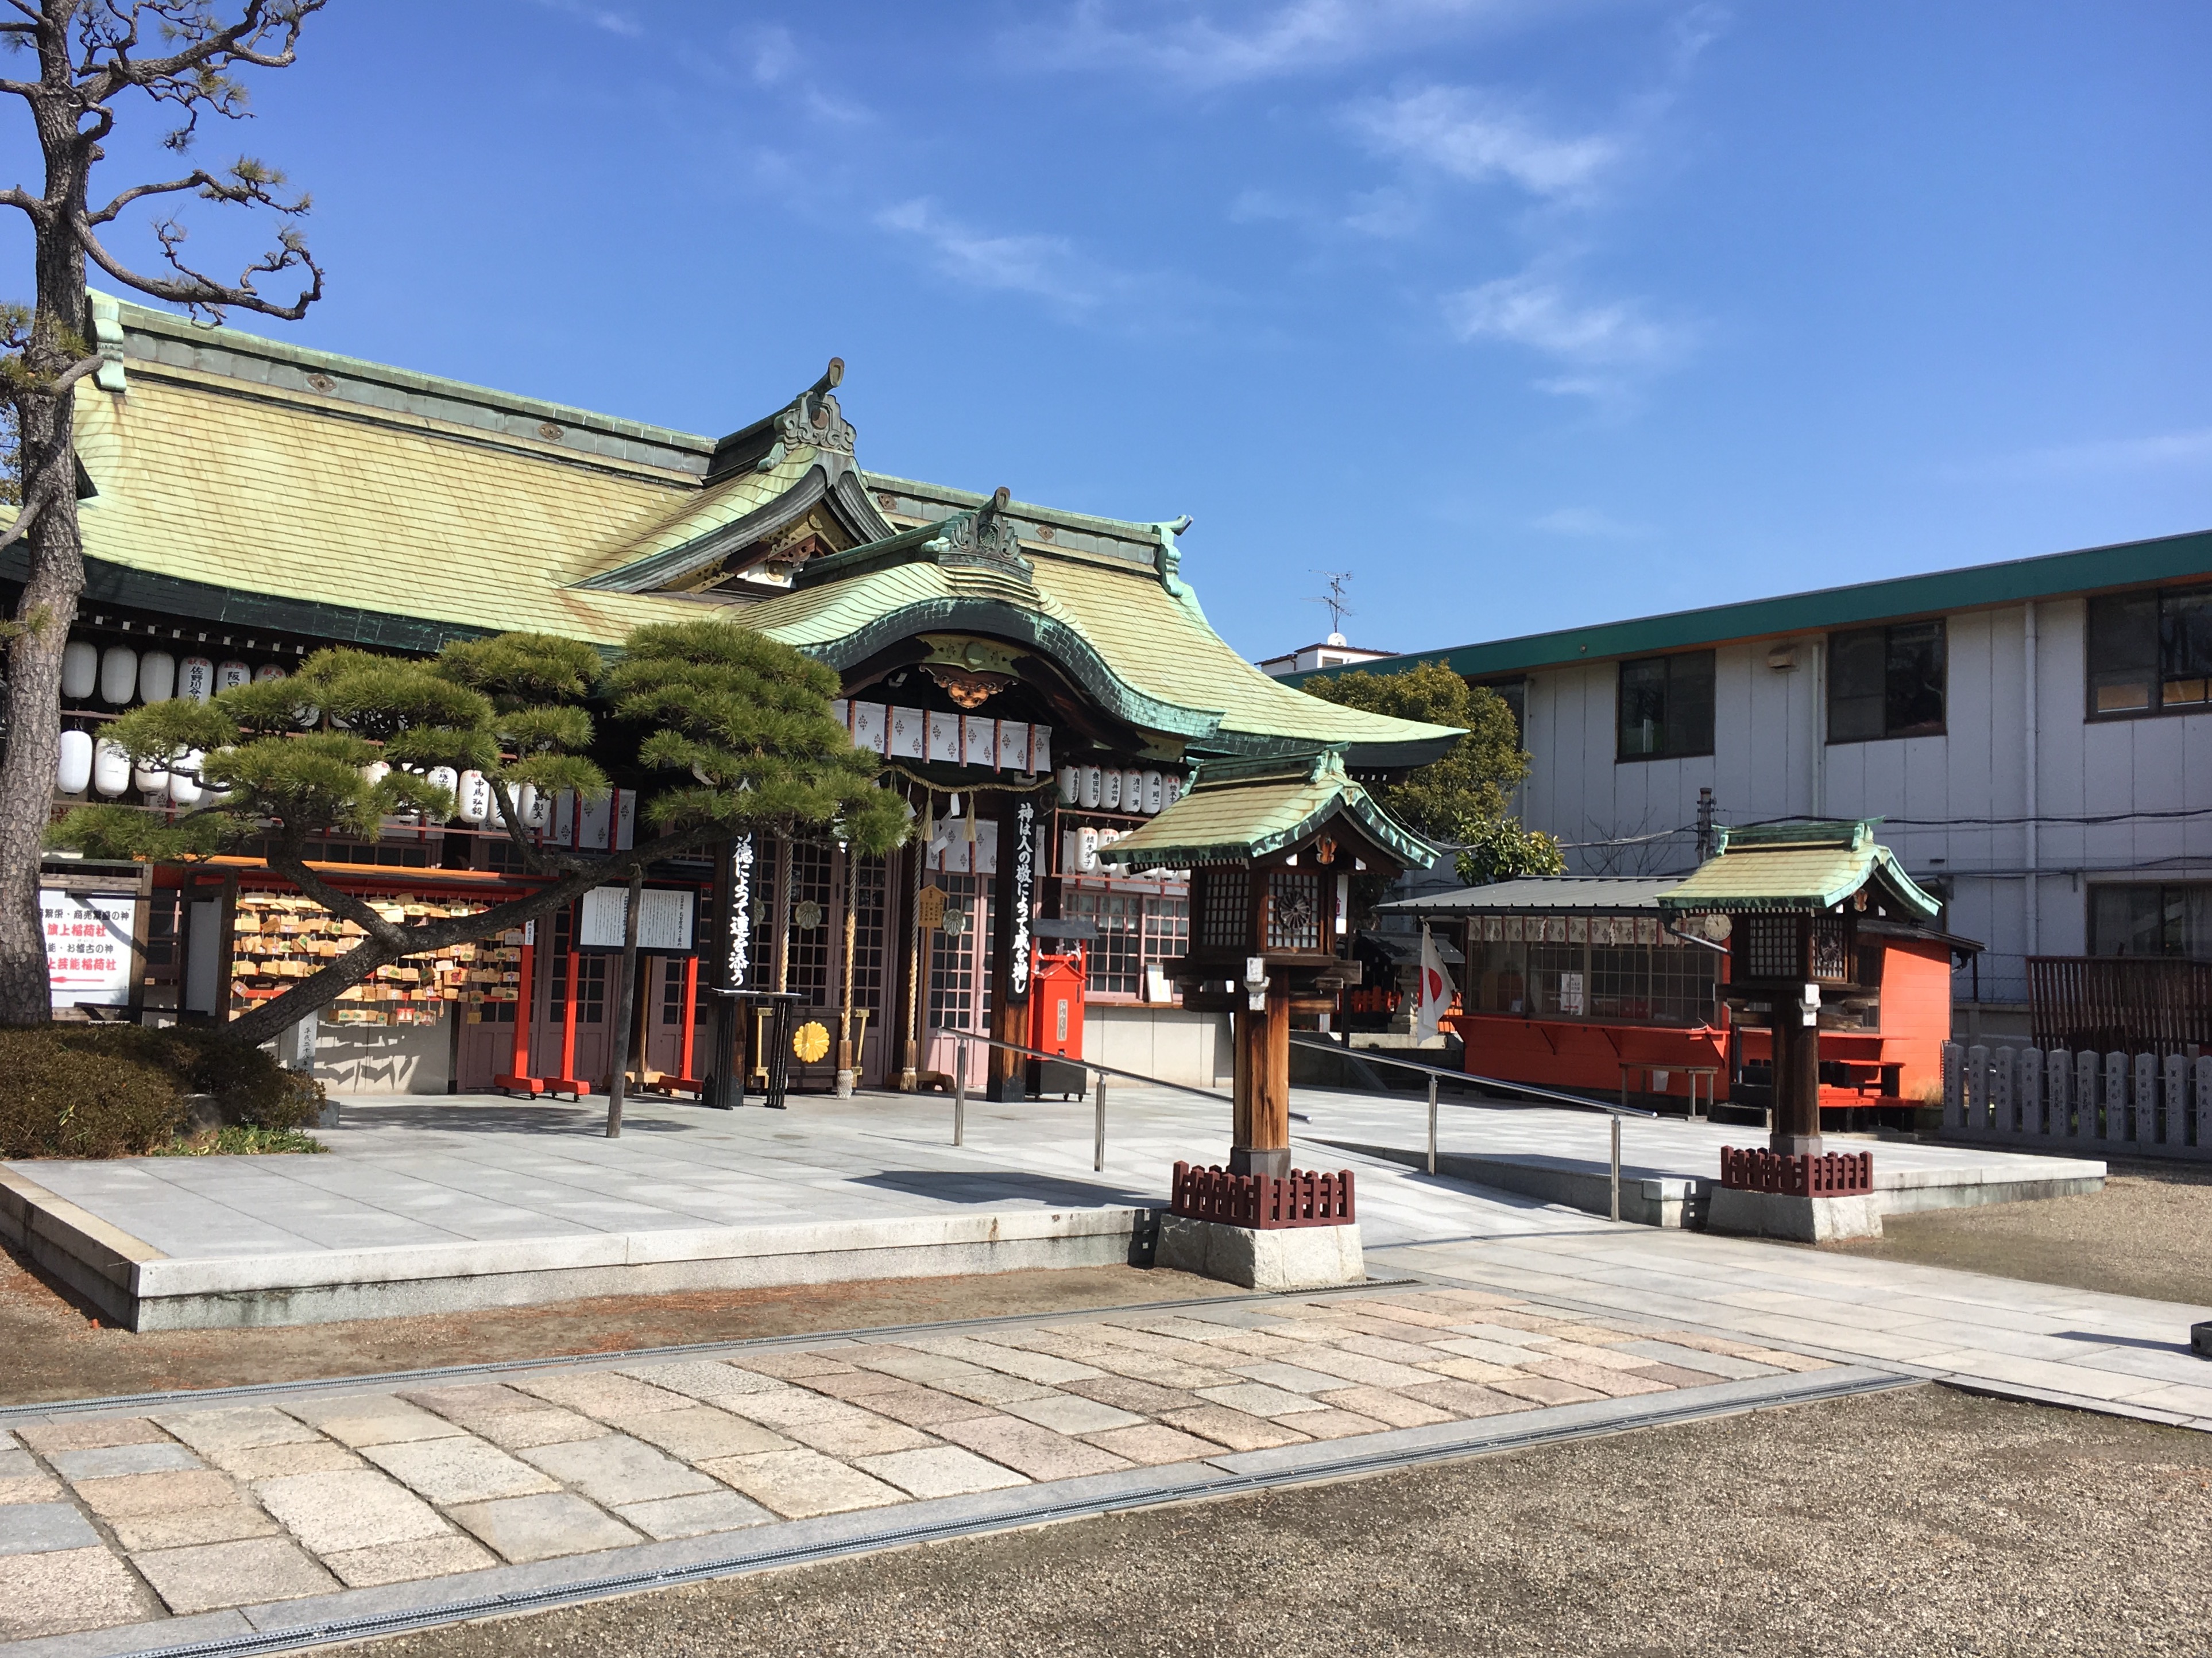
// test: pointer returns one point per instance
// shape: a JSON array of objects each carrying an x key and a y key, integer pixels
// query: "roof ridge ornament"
[
  {"x": 813, "y": 419},
  {"x": 983, "y": 539}
]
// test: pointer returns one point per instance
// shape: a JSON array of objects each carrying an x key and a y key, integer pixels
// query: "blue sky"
[{"x": 1526, "y": 314}]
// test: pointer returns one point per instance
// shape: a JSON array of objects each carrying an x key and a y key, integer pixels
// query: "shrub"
[
  {"x": 117, "y": 1090},
  {"x": 62, "y": 1095}
]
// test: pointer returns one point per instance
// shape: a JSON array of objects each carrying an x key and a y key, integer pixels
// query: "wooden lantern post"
[{"x": 1272, "y": 846}]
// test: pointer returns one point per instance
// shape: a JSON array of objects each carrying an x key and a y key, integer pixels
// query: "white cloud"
[
  {"x": 1534, "y": 311},
  {"x": 774, "y": 54},
  {"x": 612, "y": 18},
  {"x": 2105, "y": 456},
  {"x": 1588, "y": 523},
  {"x": 1049, "y": 267},
  {"x": 1479, "y": 136},
  {"x": 1227, "y": 44}
]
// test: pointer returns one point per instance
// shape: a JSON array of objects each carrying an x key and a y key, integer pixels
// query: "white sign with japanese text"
[{"x": 88, "y": 956}]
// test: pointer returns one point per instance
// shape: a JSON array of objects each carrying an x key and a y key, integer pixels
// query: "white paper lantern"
[
  {"x": 231, "y": 675},
  {"x": 151, "y": 780},
  {"x": 474, "y": 797},
  {"x": 267, "y": 673},
  {"x": 374, "y": 772},
  {"x": 1170, "y": 791},
  {"x": 74, "y": 771},
  {"x": 157, "y": 676},
  {"x": 1086, "y": 850},
  {"x": 184, "y": 787},
  {"x": 80, "y": 669},
  {"x": 1133, "y": 790},
  {"x": 445, "y": 778},
  {"x": 196, "y": 678},
  {"x": 1155, "y": 791},
  {"x": 111, "y": 769},
  {"x": 1071, "y": 785},
  {"x": 1109, "y": 789},
  {"x": 1094, "y": 785},
  {"x": 118, "y": 674}
]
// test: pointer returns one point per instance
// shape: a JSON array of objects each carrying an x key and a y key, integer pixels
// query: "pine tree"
[{"x": 740, "y": 722}]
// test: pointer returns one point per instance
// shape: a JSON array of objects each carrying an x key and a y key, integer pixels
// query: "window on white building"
[
  {"x": 1887, "y": 682},
  {"x": 1666, "y": 706},
  {"x": 2150, "y": 652}
]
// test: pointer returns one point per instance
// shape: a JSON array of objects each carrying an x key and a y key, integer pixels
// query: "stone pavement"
[
  {"x": 289, "y": 1507},
  {"x": 424, "y": 1203},
  {"x": 2006, "y": 1336}
]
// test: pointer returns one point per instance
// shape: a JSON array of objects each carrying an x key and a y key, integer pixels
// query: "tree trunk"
[{"x": 48, "y": 608}]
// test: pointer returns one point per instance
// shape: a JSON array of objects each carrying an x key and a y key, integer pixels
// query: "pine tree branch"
[{"x": 205, "y": 291}]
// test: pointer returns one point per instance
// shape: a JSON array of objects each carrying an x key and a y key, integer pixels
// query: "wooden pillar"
[
  {"x": 1263, "y": 1112},
  {"x": 226, "y": 952},
  {"x": 690, "y": 1017},
  {"x": 525, "y": 987},
  {"x": 1796, "y": 1077}
]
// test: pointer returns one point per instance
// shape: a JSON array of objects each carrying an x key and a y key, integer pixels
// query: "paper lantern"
[
  {"x": 196, "y": 678},
  {"x": 1071, "y": 785},
  {"x": 1094, "y": 785},
  {"x": 267, "y": 673},
  {"x": 111, "y": 769},
  {"x": 118, "y": 674},
  {"x": 80, "y": 669},
  {"x": 231, "y": 675},
  {"x": 151, "y": 780},
  {"x": 445, "y": 778},
  {"x": 1133, "y": 790},
  {"x": 157, "y": 676},
  {"x": 1109, "y": 789},
  {"x": 185, "y": 785},
  {"x": 374, "y": 772},
  {"x": 1155, "y": 791},
  {"x": 1170, "y": 790},
  {"x": 1086, "y": 850},
  {"x": 74, "y": 771},
  {"x": 473, "y": 798}
]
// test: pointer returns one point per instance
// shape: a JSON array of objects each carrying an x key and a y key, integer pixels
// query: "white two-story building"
[{"x": 2036, "y": 735}]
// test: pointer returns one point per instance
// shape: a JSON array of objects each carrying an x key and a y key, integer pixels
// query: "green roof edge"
[{"x": 2122, "y": 564}]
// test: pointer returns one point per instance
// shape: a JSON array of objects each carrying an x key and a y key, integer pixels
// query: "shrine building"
[{"x": 1035, "y": 679}]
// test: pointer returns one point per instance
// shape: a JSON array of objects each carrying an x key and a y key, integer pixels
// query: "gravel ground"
[
  {"x": 1923, "y": 1523},
  {"x": 57, "y": 1348},
  {"x": 2148, "y": 1233}
]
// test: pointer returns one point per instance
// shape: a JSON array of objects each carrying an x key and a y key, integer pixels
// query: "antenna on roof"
[{"x": 1339, "y": 606}]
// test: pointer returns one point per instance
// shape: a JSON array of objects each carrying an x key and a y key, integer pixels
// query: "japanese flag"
[{"x": 1437, "y": 991}]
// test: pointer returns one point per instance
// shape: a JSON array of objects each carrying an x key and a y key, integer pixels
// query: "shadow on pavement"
[
  {"x": 972, "y": 1186},
  {"x": 515, "y": 1119}
]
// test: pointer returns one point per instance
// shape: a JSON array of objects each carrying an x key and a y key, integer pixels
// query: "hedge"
[{"x": 118, "y": 1090}]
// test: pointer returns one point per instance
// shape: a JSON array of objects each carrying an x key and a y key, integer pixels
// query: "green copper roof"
[
  {"x": 2128, "y": 564},
  {"x": 1240, "y": 810},
  {"x": 1132, "y": 636},
  {"x": 1801, "y": 867}
]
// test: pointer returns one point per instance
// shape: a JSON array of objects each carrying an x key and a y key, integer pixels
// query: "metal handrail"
[
  {"x": 1613, "y": 1112},
  {"x": 1098, "y": 1111}
]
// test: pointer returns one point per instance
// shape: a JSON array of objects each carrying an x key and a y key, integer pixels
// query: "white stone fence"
[{"x": 2152, "y": 1106}]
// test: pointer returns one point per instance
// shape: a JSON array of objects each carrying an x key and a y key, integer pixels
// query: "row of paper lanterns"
[
  {"x": 121, "y": 676},
  {"x": 1108, "y": 788}
]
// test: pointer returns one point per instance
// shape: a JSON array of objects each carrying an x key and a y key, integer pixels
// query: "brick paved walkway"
[{"x": 111, "y": 1519}]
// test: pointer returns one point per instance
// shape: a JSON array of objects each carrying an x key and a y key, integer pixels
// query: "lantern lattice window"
[
  {"x": 1294, "y": 912},
  {"x": 1832, "y": 949},
  {"x": 1227, "y": 916},
  {"x": 1771, "y": 946}
]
